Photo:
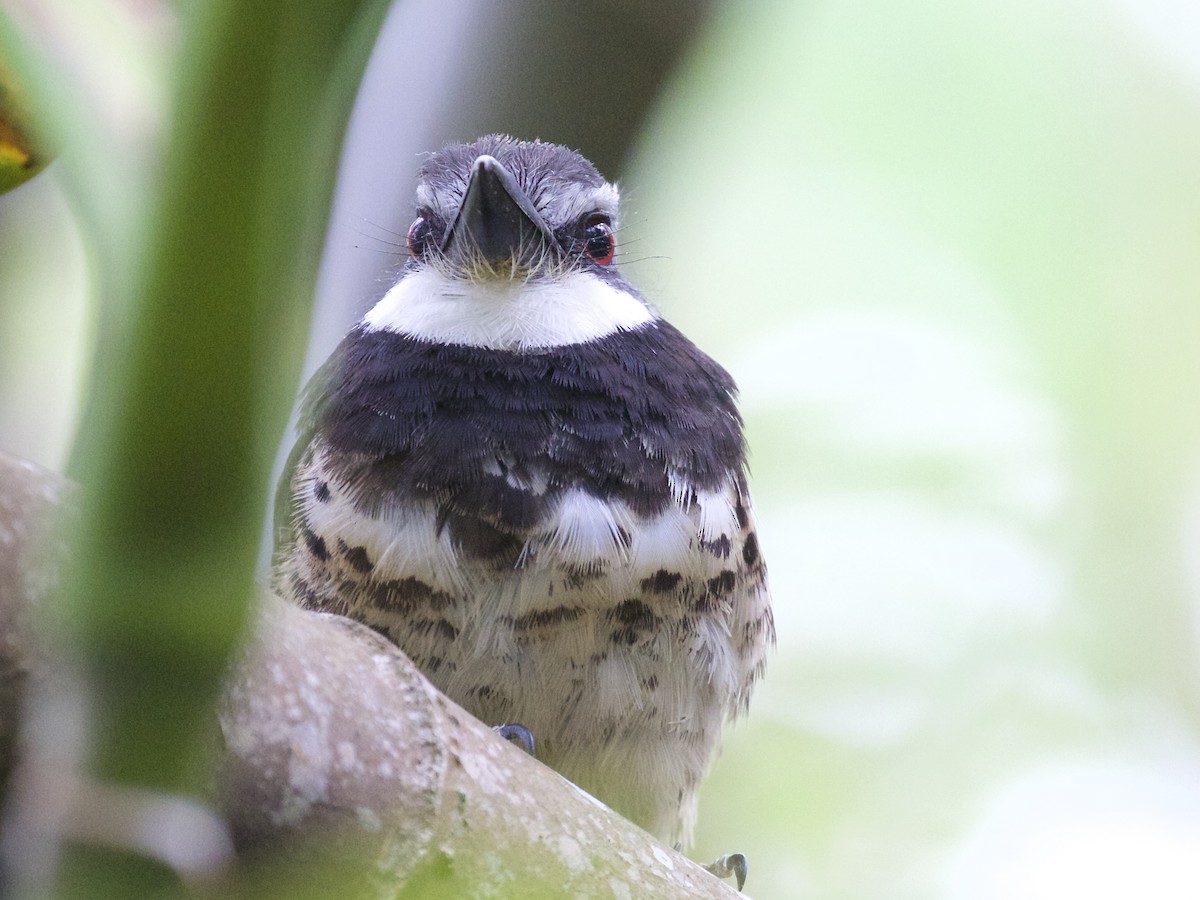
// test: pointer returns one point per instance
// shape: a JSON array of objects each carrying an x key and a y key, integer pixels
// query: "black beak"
[{"x": 497, "y": 223}]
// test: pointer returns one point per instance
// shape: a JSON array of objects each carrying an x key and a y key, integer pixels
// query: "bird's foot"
[
  {"x": 730, "y": 864},
  {"x": 517, "y": 734}
]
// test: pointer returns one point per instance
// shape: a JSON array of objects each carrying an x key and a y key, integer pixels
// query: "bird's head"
[
  {"x": 500, "y": 208},
  {"x": 513, "y": 247}
]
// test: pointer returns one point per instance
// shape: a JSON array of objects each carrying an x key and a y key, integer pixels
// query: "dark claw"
[
  {"x": 517, "y": 734},
  {"x": 730, "y": 864}
]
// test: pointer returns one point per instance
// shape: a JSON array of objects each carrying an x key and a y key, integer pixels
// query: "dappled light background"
[{"x": 951, "y": 253}]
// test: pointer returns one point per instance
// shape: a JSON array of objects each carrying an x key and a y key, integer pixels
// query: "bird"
[{"x": 519, "y": 472}]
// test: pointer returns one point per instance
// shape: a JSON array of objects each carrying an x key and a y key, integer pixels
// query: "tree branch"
[{"x": 335, "y": 742}]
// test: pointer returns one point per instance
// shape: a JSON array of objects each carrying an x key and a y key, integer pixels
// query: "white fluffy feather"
[
  {"x": 589, "y": 530},
  {"x": 506, "y": 315}
]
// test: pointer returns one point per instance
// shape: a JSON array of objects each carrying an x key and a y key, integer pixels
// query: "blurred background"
[{"x": 951, "y": 253}]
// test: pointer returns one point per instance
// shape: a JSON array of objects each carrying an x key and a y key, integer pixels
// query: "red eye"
[
  {"x": 600, "y": 244},
  {"x": 420, "y": 232}
]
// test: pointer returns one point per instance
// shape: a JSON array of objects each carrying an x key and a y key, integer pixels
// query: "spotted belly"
[{"x": 621, "y": 640}]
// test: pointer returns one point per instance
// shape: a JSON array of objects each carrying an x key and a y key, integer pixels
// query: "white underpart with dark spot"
[{"x": 507, "y": 315}]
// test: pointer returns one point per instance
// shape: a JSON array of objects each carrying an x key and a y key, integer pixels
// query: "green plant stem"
[{"x": 193, "y": 380}]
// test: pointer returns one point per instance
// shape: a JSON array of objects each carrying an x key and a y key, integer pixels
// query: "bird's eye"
[
  {"x": 420, "y": 236},
  {"x": 600, "y": 244}
]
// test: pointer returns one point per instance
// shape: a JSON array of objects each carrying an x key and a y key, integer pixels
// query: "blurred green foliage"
[
  {"x": 203, "y": 266},
  {"x": 950, "y": 253},
  {"x": 21, "y": 154}
]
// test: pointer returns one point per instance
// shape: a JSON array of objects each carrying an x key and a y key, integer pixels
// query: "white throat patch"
[{"x": 504, "y": 315}]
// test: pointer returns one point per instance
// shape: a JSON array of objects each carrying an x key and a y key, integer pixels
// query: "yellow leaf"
[{"x": 21, "y": 155}]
